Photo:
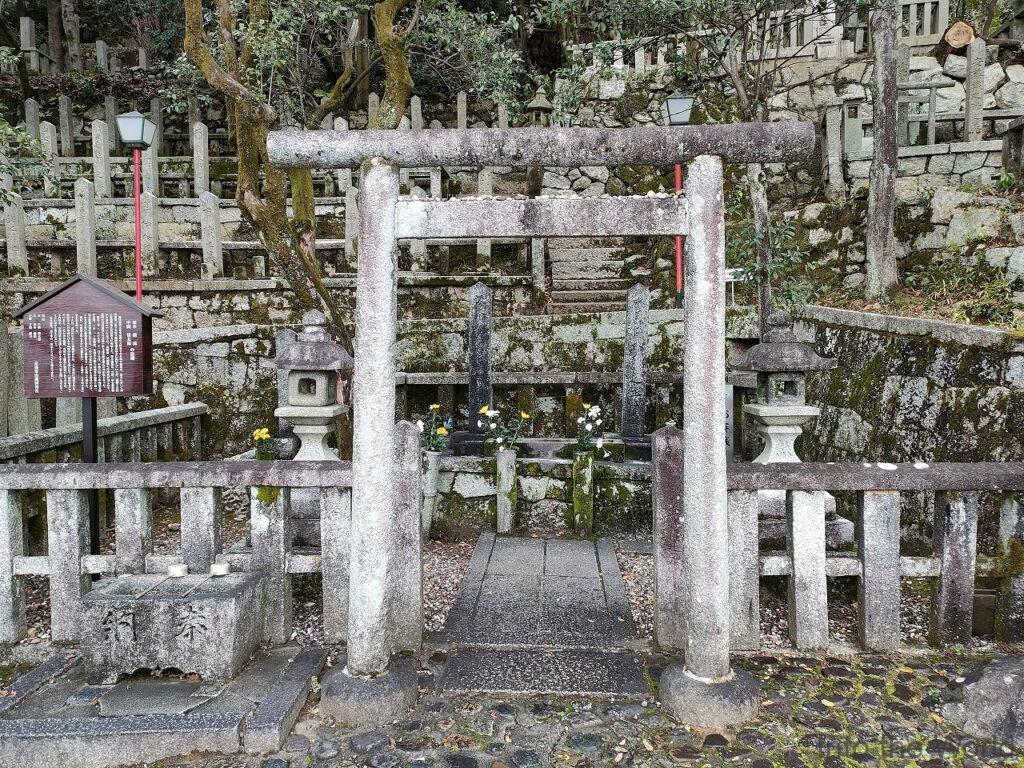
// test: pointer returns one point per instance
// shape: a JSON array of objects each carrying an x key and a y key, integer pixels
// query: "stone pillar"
[
  {"x": 133, "y": 529},
  {"x": 201, "y": 515},
  {"x": 351, "y": 222},
  {"x": 101, "y": 159},
  {"x": 974, "y": 84},
  {"x": 371, "y": 638},
  {"x": 335, "y": 541},
  {"x": 538, "y": 247},
  {"x": 1010, "y": 612},
  {"x": 878, "y": 596},
  {"x": 744, "y": 572},
  {"x": 67, "y": 128},
  {"x": 150, "y": 234},
  {"x": 85, "y": 227},
  {"x": 200, "y": 158},
  {"x": 102, "y": 56},
  {"x": 433, "y": 466},
  {"x": 704, "y": 691},
  {"x": 32, "y": 118},
  {"x": 480, "y": 391},
  {"x": 156, "y": 114},
  {"x": 12, "y": 595},
  {"x": 372, "y": 105},
  {"x": 151, "y": 171},
  {"x": 416, "y": 111},
  {"x": 667, "y": 499},
  {"x": 67, "y": 523},
  {"x": 270, "y": 532},
  {"x": 902, "y": 108},
  {"x": 808, "y": 586},
  {"x": 17, "y": 248},
  {"x": 461, "y": 111},
  {"x": 505, "y": 477},
  {"x": 485, "y": 188},
  {"x": 209, "y": 221},
  {"x": 634, "y": 362},
  {"x": 68, "y": 411},
  {"x": 23, "y": 414},
  {"x": 955, "y": 544},
  {"x": 110, "y": 112},
  {"x": 407, "y": 564},
  {"x": 373, "y": 688},
  {"x": 8, "y": 374},
  {"x": 51, "y": 163},
  {"x": 881, "y": 241},
  {"x": 502, "y": 116},
  {"x": 834, "y": 150}
]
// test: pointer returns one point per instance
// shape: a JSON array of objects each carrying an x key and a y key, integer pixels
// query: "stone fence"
[{"x": 952, "y": 567}]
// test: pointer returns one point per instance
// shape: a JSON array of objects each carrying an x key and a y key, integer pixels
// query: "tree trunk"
[
  {"x": 761, "y": 222},
  {"x": 55, "y": 33},
  {"x": 74, "y": 57},
  {"x": 881, "y": 246}
]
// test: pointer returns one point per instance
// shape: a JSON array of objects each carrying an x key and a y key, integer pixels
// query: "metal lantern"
[
  {"x": 677, "y": 108},
  {"x": 135, "y": 130}
]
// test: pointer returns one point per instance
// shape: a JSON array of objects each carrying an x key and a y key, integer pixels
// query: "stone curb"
[
  {"x": 269, "y": 725},
  {"x": 31, "y": 681}
]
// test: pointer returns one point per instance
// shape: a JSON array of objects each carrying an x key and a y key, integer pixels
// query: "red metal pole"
[
  {"x": 679, "y": 246},
  {"x": 137, "y": 158}
]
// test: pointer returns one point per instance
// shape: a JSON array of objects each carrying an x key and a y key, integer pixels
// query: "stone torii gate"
[{"x": 377, "y": 685}]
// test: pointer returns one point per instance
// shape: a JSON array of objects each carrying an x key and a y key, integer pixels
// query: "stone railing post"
[
  {"x": 102, "y": 56},
  {"x": 808, "y": 586},
  {"x": 1010, "y": 606},
  {"x": 502, "y": 116},
  {"x": 372, "y": 105},
  {"x": 85, "y": 227},
  {"x": 51, "y": 163},
  {"x": 432, "y": 460},
  {"x": 974, "y": 105},
  {"x": 67, "y": 128},
  {"x": 201, "y": 515},
  {"x": 342, "y": 176},
  {"x": 150, "y": 234},
  {"x": 505, "y": 477},
  {"x": 878, "y": 597},
  {"x": 12, "y": 596},
  {"x": 955, "y": 542},
  {"x": 335, "y": 543},
  {"x": 210, "y": 233},
  {"x": 200, "y": 158},
  {"x": 351, "y": 222},
  {"x": 270, "y": 532},
  {"x": 32, "y": 118},
  {"x": 538, "y": 249},
  {"x": 667, "y": 501},
  {"x": 17, "y": 248},
  {"x": 156, "y": 114},
  {"x": 133, "y": 529},
  {"x": 407, "y": 564},
  {"x": 834, "y": 150},
  {"x": 23, "y": 414},
  {"x": 480, "y": 320},
  {"x": 485, "y": 188},
  {"x": 416, "y": 112},
  {"x": 101, "y": 159},
  {"x": 704, "y": 690},
  {"x": 27, "y": 32},
  {"x": 461, "y": 110},
  {"x": 67, "y": 523},
  {"x": 583, "y": 492},
  {"x": 151, "y": 170},
  {"x": 634, "y": 363},
  {"x": 744, "y": 572},
  {"x": 110, "y": 112}
]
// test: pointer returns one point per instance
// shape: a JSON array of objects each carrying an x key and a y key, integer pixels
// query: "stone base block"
[
  {"x": 369, "y": 701},
  {"x": 716, "y": 705}
]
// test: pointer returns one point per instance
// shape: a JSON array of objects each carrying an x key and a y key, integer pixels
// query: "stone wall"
[{"x": 914, "y": 390}]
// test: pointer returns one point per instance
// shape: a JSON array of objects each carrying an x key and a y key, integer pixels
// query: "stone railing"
[
  {"x": 159, "y": 434},
  {"x": 267, "y": 549},
  {"x": 877, "y": 563}
]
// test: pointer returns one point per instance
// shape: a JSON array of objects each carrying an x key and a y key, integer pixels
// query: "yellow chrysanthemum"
[
  {"x": 485, "y": 409},
  {"x": 586, "y": 406},
  {"x": 435, "y": 406},
  {"x": 442, "y": 431},
  {"x": 524, "y": 415}
]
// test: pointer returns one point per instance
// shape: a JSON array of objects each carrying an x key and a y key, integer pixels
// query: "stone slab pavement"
[{"x": 542, "y": 616}]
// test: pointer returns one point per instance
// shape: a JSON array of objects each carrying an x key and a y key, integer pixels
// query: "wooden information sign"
[{"x": 86, "y": 338}]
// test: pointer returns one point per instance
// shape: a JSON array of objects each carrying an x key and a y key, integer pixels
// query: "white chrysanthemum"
[
  {"x": 589, "y": 427},
  {"x": 579, "y": 420},
  {"x": 419, "y": 425},
  {"x": 500, "y": 440},
  {"x": 598, "y": 422},
  {"x": 600, "y": 442}
]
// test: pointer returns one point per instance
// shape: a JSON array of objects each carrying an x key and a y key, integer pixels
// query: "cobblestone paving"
[{"x": 831, "y": 712}]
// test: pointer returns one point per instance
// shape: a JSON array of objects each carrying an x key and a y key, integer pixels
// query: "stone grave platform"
[
  {"x": 542, "y": 616},
  {"x": 52, "y": 715}
]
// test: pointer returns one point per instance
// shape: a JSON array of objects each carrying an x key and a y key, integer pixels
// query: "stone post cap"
[
  {"x": 313, "y": 348},
  {"x": 780, "y": 351}
]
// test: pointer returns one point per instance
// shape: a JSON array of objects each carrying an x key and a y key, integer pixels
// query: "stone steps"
[
  {"x": 585, "y": 254},
  {"x": 575, "y": 269},
  {"x": 585, "y": 308},
  {"x": 586, "y": 284},
  {"x": 586, "y": 296}
]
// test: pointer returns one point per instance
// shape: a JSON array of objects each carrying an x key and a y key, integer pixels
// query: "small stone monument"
[
  {"x": 319, "y": 390},
  {"x": 782, "y": 363}
]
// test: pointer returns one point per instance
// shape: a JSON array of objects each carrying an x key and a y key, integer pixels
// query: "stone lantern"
[
  {"x": 319, "y": 386},
  {"x": 539, "y": 109},
  {"x": 780, "y": 411}
]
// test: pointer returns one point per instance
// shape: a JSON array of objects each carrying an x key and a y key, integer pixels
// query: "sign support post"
[{"x": 89, "y": 456}]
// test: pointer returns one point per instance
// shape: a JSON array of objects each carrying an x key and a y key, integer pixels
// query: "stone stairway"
[{"x": 587, "y": 276}]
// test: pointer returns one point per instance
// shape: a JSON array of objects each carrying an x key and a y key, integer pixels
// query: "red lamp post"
[
  {"x": 676, "y": 111},
  {"x": 136, "y": 134}
]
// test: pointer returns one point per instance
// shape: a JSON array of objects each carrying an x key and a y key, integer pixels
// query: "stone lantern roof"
[
  {"x": 540, "y": 102},
  {"x": 780, "y": 351},
  {"x": 313, "y": 349}
]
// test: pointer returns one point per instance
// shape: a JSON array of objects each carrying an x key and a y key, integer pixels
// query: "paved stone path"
[{"x": 542, "y": 616}]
